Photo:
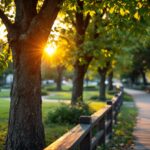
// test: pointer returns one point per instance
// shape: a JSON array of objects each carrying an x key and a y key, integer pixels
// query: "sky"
[{"x": 2, "y": 33}]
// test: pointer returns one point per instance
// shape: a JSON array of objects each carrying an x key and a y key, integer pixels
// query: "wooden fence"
[{"x": 92, "y": 130}]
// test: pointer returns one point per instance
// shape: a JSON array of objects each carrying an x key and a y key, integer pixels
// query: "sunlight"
[{"x": 50, "y": 50}]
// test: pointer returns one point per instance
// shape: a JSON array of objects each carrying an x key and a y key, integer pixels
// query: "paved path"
[
  {"x": 44, "y": 99},
  {"x": 142, "y": 129}
]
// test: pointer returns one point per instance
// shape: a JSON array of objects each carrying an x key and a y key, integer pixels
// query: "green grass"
[
  {"x": 127, "y": 97},
  {"x": 62, "y": 95},
  {"x": 66, "y": 95},
  {"x": 4, "y": 107},
  {"x": 5, "y": 93},
  {"x": 52, "y": 132},
  {"x": 52, "y": 87}
]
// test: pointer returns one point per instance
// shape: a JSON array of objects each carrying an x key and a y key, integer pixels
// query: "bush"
[
  {"x": 44, "y": 92},
  {"x": 89, "y": 88},
  {"x": 94, "y": 97},
  {"x": 67, "y": 114},
  {"x": 51, "y": 88},
  {"x": 112, "y": 92}
]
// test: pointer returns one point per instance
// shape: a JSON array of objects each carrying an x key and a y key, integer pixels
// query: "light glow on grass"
[{"x": 95, "y": 106}]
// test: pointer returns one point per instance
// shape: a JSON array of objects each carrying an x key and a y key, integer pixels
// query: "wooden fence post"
[
  {"x": 115, "y": 114},
  {"x": 110, "y": 119},
  {"x": 102, "y": 128},
  {"x": 86, "y": 142}
]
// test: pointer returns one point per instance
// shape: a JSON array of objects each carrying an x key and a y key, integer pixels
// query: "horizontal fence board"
[
  {"x": 71, "y": 138},
  {"x": 99, "y": 114}
]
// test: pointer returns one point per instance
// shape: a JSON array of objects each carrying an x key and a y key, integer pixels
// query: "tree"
[
  {"x": 140, "y": 63},
  {"x": 59, "y": 60},
  {"x": 110, "y": 80},
  {"x": 105, "y": 66},
  {"x": 81, "y": 24},
  {"x": 28, "y": 32}
]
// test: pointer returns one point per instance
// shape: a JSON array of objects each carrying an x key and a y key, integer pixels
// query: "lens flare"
[{"x": 49, "y": 50}]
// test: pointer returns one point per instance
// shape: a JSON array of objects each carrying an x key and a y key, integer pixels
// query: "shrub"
[
  {"x": 67, "y": 114},
  {"x": 51, "y": 88},
  {"x": 89, "y": 88},
  {"x": 112, "y": 92},
  {"x": 44, "y": 92},
  {"x": 94, "y": 97}
]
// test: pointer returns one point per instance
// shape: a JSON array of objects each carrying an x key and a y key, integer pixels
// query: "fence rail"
[{"x": 92, "y": 130}]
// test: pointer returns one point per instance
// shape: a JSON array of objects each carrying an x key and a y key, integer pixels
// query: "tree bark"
[
  {"x": 144, "y": 77},
  {"x": 110, "y": 82},
  {"x": 60, "y": 70},
  {"x": 25, "y": 129},
  {"x": 78, "y": 81},
  {"x": 102, "y": 87}
]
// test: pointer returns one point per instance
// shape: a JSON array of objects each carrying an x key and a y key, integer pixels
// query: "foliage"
[
  {"x": 127, "y": 97},
  {"x": 3, "y": 132},
  {"x": 55, "y": 131},
  {"x": 44, "y": 92},
  {"x": 67, "y": 114},
  {"x": 90, "y": 88},
  {"x": 95, "y": 106},
  {"x": 5, "y": 56}
]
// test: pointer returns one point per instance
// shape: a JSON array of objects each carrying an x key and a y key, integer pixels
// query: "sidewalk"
[{"x": 142, "y": 129}]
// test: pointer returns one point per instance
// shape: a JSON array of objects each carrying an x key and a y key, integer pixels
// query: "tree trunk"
[
  {"x": 102, "y": 86},
  {"x": 27, "y": 36},
  {"x": 110, "y": 82},
  {"x": 78, "y": 81},
  {"x": 25, "y": 129},
  {"x": 81, "y": 25},
  {"x": 144, "y": 77},
  {"x": 60, "y": 70}
]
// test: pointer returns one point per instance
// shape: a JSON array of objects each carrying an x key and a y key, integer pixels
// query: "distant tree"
[
  {"x": 140, "y": 63},
  {"x": 59, "y": 61},
  {"x": 110, "y": 80}
]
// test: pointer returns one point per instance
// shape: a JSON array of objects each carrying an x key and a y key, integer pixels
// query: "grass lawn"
[
  {"x": 52, "y": 132},
  {"x": 64, "y": 95},
  {"x": 5, "y": 93}
]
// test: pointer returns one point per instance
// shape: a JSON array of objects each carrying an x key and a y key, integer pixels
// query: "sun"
[{"x": 50, "y": 50}]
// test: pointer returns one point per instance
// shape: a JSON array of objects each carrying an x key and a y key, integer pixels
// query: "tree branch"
[
  {"x": 42, "y": 23},
  {"x": 19, "y": 12},
  {"x": 29, "y": 8},
  {"x": 73, "y": 22},
  {"x": 65, "y": 38},
  {"x": 5, "y": 20},
  {"x": 87, "y": 19}
]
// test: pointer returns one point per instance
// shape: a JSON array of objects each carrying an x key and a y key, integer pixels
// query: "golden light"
[{"x": 50, "y": 50}]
